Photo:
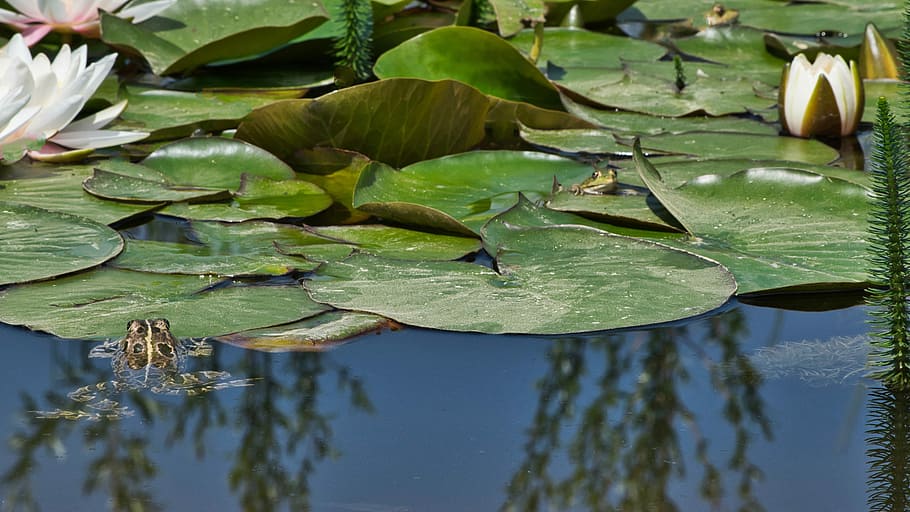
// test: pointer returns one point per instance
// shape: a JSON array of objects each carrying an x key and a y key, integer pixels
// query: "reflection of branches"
[
  {"x": 625, "y": 450},
  {"x": 284, "y": 433},
  {"x": 271, "y": 433},
  {"x": 888, "y": 452}
]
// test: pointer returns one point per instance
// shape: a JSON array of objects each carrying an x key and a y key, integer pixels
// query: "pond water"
[{"x": 415, "y": 420}]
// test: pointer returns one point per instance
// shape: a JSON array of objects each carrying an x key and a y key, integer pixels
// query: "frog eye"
[
  {"x": 165, "y": 349},
  {"x": 138, "y": 348}
]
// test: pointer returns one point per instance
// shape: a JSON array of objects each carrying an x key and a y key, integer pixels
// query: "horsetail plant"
[
  {"x": 889, "y": 229},
  {"x": 354, "y": 48}
]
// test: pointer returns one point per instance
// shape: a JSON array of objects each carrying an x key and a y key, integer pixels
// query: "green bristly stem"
[
  {"x": 680, "y": 73},
  {"x": 889, "y": 228},
  {"x": 354, "y": 49}
]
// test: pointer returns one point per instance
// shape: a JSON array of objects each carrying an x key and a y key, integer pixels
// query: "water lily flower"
[
  {"x": 37, "y": 18},
  {"x": 39, "y": 99},
  {"x": 823, "y": 99}
]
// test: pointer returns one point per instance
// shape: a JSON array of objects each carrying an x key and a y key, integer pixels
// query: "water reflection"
[
  {"x": 623, "y": 445},
  {"x": 888, "y": 450},
  {"x": 280, "y": 429}
]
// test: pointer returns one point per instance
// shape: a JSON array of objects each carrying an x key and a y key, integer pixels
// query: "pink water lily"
[
  {"x": 39, "y": 99},
  {"x": 37, "y": 18}
]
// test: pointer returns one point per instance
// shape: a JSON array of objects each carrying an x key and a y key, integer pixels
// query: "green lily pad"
[
  {"x": 633, "y": 123},
  {"x": 578, "y": 48},
  {"x": 397, "y": 121},
  {"x": 123, "y": 181},
  {"x": 637, "y": 208},
  {"x": 39, "y": 244},
  {"x": 174, "y": 114},
  {"x": 738, "y": 48},
  {"x": 60, "y": 189},
  {"x": 775, "y": 229},
  {"x": 315, "y": 334},
  {"x": 215, "y": 163},
  {"x": 459, "y": 193},
  {"x": 551, "y": 280},
  {"x": 731, "y": 145},
  {"x": 472, "y": 56},
  {"x": 649, "y": 88},
  {"x": 189, "y": 34},
  {"x": 113, "y": 297},
  {"x": 512, "y": 14},
  {"x": 259, "y": 198},
  {"x": 397, "y": 243}
]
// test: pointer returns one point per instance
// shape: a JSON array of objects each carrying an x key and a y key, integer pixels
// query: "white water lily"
[
  {"x": 823, "y": 99},
  {"x": 39, "y": 99},
  {"x": 37, "y": 18}
]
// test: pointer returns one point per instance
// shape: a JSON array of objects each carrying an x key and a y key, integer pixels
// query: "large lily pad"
[
  {"x": 259, "y": 198},
  {"x": 39, "y": 244},
  {"x": 191, "y": 33},
  {"x": 555, "y": 279},
  {"x": 459, "y": 193},
  {"x": 123, "y": 181},
  {"x": 110, "y": 298},
  {"x": 475, "y": 57},
  {"x": 397, "y": 121},
  {"x": 173, "y": 114},
  {"x": 573, "y": 48},
  {"x": 60, "y": 189},
  {"x": 775, "y": 229},
  {"x": 703, "y": 145}
]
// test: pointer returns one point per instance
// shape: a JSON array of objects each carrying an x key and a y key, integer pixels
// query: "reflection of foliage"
[
  {"x": 625, "y": 449},
  {"x": 354, "y": 47},
  {"x": 282, "y": 427},
  {"x": 888, "y": 437},
  {"x": 889, "y": 226}
]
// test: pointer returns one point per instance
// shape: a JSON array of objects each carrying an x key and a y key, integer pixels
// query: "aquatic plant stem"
[
  {"x": 354, "y": 49},
  {"x": 889, "y": 228}
]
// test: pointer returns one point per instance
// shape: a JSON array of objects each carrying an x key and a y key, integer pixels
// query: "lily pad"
[
  {"x": 459, "y": 193},
  {"x": 259, "y": 198},
  {"x": 60, "y": 189},
  {"x": 511, "y": 14},
  {"x": 472, "y": 56},
  {"x": 397, "y": 121},
  {"x": 551, "y": 280},
  {"x": 315, "y": 334},
  {"x": 397, "y": 243},
  {"x": 638, "y": 208},
  {"x": 174, "y": 114},
  {"x": 573, "y": 48},
  {"x": 40, "y": 244},
  {"x": 775, "y": 229},
  {"x": 112, "y": 297},
  {"x": 123, "y": 181},
  {"x": 189, "y": 34}
]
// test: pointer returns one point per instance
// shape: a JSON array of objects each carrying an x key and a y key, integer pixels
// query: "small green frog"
[
  {"x": 601, "y": 182},
  {"x": 720, "y": 15}
]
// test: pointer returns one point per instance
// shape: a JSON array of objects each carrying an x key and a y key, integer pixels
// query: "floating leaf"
[
  {"x": 123, "y": 181},
  {"x": 397, "y": 121},
  {"x": 556, "y": 279},
  {"x": 775, "y": 229},
  {"x": 472, "y": 56},
  {"x": 111, "y": 298},
  {"x": 459, "y": 193},
  {"x": 314, "y": 334},
  {"x": 39, "y": 244},
  {"x": 60, "y": 189},
  {"x": 189, "y": 34},
  {"x": 174, "y": 114}
]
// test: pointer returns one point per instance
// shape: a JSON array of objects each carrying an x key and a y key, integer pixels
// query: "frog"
[
  {"x": 601, "y": 182},
  {"x": 720, "y": 16},
  {"x": 149, "y": 357}
]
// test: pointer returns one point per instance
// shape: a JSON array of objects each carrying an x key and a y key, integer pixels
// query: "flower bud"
[{"x": 823, "y": 99}]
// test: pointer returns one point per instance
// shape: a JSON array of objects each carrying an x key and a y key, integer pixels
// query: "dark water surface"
[{"x": 418, "y": 420}]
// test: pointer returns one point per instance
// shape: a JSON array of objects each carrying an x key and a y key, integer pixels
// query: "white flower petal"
[
  {"x": 13, "y": 18},
  {"x": 99, "y": 119},
  {"x": 27, "y": 7},
  {"x": 14, "y": 129},
  {"x": 96, "y": 138},
  {"x": 142, "y": 12}
]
